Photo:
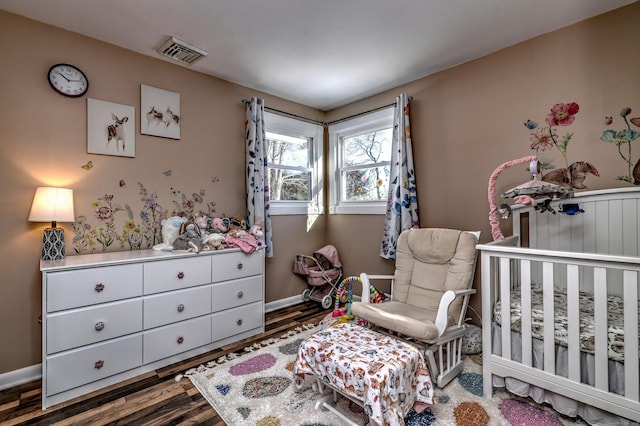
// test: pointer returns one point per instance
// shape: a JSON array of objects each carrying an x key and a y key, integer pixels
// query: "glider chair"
[{"x": 430, "y": 292}]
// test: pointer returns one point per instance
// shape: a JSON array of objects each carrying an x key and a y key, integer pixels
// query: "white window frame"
[
  {"x": 358, "y": 125},
  {"x": 280, "y": 124}
]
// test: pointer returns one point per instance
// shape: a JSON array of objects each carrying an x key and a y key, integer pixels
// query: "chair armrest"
[
  {"x": 442, "y": 320},
  {"x": 366, "y": 284}
]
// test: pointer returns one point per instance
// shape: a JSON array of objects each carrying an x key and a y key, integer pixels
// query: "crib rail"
[{"x": 506, "y": 268}]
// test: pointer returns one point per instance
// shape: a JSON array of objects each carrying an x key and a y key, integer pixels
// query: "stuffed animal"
[
  {"x": 213, "y": 241},
  {"x": 256, "y": 231},
  {"x": 189, "y": 238},
  {"x": 238, "y": 227},
  {"x": 202, "y": 221},
  {"x": 218, "y": 225},
  {"x": 170, "y": 231},
  {"x": 572, "y": 177}
]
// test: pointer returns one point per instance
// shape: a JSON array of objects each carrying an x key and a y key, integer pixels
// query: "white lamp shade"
[{"x": 52, "y": 205}]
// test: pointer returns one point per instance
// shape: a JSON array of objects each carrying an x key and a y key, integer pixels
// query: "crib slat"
[
  {"x": 630, "y": 226},
  {"x": 573, "y": 326},
  {"x": 525, "y": 297},
  {"x": 505, "y": 297},
  {"x": 600, "y": 322},
  {"x": 549, "y": 318},
  {"x": 631, "y": 379}
]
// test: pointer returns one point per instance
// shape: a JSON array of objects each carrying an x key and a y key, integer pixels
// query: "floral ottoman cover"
[{"x": 386, "y": 374}]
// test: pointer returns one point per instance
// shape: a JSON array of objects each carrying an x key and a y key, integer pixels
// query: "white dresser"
[{"x": 112, "y": 316}]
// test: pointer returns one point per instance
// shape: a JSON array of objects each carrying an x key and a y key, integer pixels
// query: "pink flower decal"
[{"x": 562, "y": 114}]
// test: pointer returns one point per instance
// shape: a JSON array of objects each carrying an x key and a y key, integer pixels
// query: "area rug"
[{"x": 257, "y": 388}]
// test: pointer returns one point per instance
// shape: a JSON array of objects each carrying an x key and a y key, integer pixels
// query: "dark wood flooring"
[{"x": 154, "y": 398}]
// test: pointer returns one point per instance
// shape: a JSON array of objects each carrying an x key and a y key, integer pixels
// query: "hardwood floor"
[{"x": 154, "y": 398}]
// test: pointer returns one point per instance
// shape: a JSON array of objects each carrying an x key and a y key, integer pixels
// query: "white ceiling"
[{"x": 320, "y": 53}]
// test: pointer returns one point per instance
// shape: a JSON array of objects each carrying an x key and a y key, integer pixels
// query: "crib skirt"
[{"x": 561, "y": 404}]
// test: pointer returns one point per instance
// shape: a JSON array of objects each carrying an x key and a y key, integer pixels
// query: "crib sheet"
[{"x": 587, "y": 328}]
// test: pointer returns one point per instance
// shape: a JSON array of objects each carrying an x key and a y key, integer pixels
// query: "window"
[
  {"x": 361, "y": 162},
  {"x": 294, "y": 150}
]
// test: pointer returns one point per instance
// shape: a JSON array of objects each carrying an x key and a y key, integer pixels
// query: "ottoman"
[{"x": 386, "y": 376}]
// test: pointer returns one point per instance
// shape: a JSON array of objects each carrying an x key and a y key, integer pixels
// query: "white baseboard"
[
  {"x": 18, "y": 377},
  {"x": 282, "y": 303}
]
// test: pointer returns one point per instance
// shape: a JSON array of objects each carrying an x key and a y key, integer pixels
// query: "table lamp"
[{"x": 52, "y": 205}]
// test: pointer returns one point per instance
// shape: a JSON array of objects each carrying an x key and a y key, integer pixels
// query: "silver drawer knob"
[
  {"x": 180, "y": 275},
  {"x": 99, "y": 325},
  {"x": 239, "y": 322},
  {"x": 98, "y": 365},
  {"x": 240, "y": 294},
  {"x": 240, "y": 266},
  {"x": 99, "y": 287},
  {"x": 180, "y": 307},
  {"x": 180, "y": 340}
]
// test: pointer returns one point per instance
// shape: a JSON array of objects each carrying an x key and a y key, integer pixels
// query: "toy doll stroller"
[{"x": 323, "y": 272}]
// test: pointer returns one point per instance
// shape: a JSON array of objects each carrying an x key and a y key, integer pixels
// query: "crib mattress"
[{"x": 615, "y": 311}]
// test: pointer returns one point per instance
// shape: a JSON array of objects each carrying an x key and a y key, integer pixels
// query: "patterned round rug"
[{"x": 257, "y": 389}]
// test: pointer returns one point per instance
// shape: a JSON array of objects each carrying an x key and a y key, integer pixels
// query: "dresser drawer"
[
  {"x": 234, "y": 293},
  {"x": 79, "y": 367},
  {"x": 72, "y": 289},
  {"x": 167, "y": 308},
  {"x": 229, "y": 266},
  {"x": 176, "y": 274},
  {"x": 83, "y": 326},
  {"x": 237, "y": 320},
  {"x": 173, "y": 339}
]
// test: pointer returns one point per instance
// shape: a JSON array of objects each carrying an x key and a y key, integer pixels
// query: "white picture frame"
[
  {"x": 159, "y": 112},
  {"x": 110, "y": 128}
]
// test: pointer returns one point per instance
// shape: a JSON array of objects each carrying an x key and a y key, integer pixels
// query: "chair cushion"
[
  {"x": 406, "y": 319},
  {"x": 430, "y": 261}
]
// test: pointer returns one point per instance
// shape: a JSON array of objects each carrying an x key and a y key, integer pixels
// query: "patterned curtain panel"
[
  {"x": 402, "y": 202},
  {"x": 257, "y": 178}
]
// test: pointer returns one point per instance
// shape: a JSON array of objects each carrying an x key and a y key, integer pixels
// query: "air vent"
[{"x": 180, "y": 51}]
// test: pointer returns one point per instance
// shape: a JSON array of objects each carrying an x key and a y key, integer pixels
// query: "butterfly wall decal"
[
  {"x": 167, "y": 173},
  {"x": 87, "y": 166}
]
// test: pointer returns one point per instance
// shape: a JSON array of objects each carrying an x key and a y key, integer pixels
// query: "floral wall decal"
[
  {"x": 622, "y": 139},
  {"x": 547, "y": 138},
  {"x": 105, "y": 211},
  {"x": 137, "y": 231}
]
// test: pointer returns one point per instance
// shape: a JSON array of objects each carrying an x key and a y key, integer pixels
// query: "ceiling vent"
[{"x": 180, "y": 51}]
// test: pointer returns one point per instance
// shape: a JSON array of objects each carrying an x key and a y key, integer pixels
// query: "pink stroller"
[{"x": 323, "y": 272}]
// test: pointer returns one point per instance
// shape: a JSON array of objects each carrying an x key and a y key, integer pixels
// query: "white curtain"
[
  {"x": 256, "y": 173},
  {"x": 402, "y": 201}
]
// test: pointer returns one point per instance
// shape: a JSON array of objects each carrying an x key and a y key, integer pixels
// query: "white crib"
[{"x": 579, "y": 354}]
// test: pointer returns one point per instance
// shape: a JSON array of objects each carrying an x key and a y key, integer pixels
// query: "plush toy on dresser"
[
  {"x": 189, "y": 238},
  {"x": 170, "y": 231}
]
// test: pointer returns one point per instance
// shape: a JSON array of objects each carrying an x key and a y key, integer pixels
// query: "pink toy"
[{"x": 218, "y": 225}]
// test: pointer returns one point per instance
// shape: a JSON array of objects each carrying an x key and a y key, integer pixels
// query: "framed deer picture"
[
  {"x": 110, "y": 128},
  {"x": 159, "y": 112}
]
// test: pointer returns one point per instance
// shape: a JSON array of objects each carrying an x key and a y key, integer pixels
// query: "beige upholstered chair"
[{"x": 429, "y": 295}]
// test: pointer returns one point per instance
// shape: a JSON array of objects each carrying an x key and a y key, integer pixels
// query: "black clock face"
[{"x": 68, "y": 80}]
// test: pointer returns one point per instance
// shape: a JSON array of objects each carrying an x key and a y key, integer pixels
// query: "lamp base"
[{"x": 53, "y": 244}]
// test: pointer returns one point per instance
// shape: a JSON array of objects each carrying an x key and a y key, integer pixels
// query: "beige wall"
[
  {"x": 468, "y": 120},
  {"x": 465, "y": 122},
  {"x": 43, "y": 138}
]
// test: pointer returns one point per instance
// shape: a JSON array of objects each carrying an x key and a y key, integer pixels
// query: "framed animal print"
[
  {"x": 159, "y": 112},
  {"x": 110, "y": 128}
]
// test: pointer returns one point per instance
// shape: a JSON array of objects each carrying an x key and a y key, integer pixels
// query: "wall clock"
[{"x": 68, "y": 80}]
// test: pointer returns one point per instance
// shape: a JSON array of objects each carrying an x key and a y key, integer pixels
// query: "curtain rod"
[
  {"x": 289, "y": 114},
  {"x": 325, "y": 123}
]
